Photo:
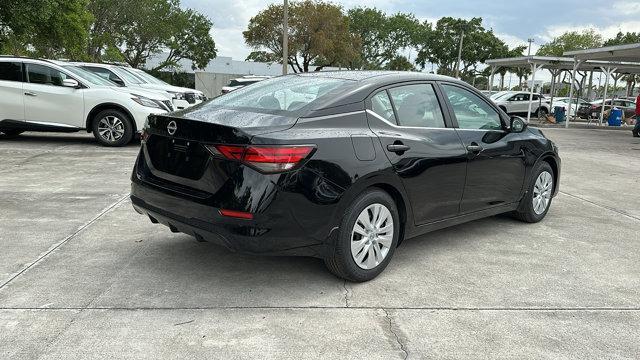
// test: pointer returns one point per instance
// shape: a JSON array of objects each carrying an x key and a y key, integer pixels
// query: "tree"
[
  {"x": 49, "y": 28},
  {"x": 440, "y": 45},
  {"x": 382, "y": 36},
  {"x": 135, "y": 31},
  {"x": 318, "y": 35},
  {"x": 569, "y": 41},
  {"x": 190, "y": 39},
  {"x": 400, "y": 63},
  {"x": 263, "y": 56}
]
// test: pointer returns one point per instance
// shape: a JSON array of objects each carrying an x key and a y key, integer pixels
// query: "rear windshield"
[{"x": 278, "y": 95}]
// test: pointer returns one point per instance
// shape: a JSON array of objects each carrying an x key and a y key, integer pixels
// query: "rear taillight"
[{"x": 269, "y": 159}]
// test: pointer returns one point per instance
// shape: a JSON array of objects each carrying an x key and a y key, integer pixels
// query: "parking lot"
[{"x": 84, "y": 276}]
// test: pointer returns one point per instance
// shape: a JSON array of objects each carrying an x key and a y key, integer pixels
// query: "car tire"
[
  {"x": 112, "y": 128},
  {"x": 11, "y": 133},
  {"x": 374, "y": 251},
  {"x": 536, "y": 203},
  {"x": 541, "y": 112}
]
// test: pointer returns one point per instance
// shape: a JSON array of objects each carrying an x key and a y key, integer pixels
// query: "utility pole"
[
  {"x": 285, "y": 38},
  {"x": 459, "y": 55},
  {"x": 530, "y": 41}
]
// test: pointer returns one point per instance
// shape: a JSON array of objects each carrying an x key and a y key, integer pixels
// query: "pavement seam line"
[
  {"x": 65, "y": 240},
  {"x": 402, "y": 346},
  {"x": 621, "y": 212},
  {"x": 147, "y": 308}
]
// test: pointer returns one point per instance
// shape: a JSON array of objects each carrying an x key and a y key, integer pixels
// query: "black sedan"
[{"x": 343, "y": 166}]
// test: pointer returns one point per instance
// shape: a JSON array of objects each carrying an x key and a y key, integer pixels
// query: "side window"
[
  {"x": 11, "y": 71},
  {"x": 417, "y": 105},
  {"x": 104, "y": 73},
  {"x": 40, "y": 74},
  {"x": 534, "y": 97},
  {"x": 381, "y": 105},
  {"x": 471, "y": 111}
]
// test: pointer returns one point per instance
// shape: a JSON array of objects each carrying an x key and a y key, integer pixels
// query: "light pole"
[
  {"x": 459, "y": 54},
  {"x": 530, "y": 41},
  {"x": 285, "y": 38}
]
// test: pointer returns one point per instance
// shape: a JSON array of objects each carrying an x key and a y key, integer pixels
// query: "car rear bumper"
[{"x": 274, "y": 231}]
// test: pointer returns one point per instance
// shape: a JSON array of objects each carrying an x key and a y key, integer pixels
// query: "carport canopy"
[
  {"x": 621, "y": 59},
  {"x": 558, "y": 64}
]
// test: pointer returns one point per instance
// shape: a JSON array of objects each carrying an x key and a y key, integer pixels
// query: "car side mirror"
[
  {"x": 70, "y": 83},
  {"x": 517, "y": 124}
]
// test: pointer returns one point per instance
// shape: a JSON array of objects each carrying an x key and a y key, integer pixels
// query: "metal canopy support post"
[
  {"x": 493, "y": 71},
  {"x": 534, "y": 67},
  {"x": 607, "y": 72},
  {"x": 554, "y": 78},
  {"x": 576, "y": 65}
]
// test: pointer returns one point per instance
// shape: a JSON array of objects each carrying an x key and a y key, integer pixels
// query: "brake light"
[
  {"x": 270, "y": 159},
  {"x": 236, "y": 214}
]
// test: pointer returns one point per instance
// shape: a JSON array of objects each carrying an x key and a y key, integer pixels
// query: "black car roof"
[
  {"x": 361, "y": 84},
  {"x": 375, "y": 75}
]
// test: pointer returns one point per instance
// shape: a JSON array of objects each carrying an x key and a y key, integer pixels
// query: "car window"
[
  {"x": 519, "y": 97},
  {"x": 41, "y": 74},
  {"x": 381, "y": 105},
  {"x": 417, "y": 105},
  {"x": 103, "y": 73},
  {"x": 10, "y": 71},
  {"x": 471, "y": 111},
  {"x": 279, "y": 94},
  {"x": 619, "y": 103},
  {"x": 129, "y": 76}
]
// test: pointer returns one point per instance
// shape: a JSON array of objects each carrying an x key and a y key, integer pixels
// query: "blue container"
[
  {"x": 559, "y": 113},
  {"x": 615, "y": 117}
]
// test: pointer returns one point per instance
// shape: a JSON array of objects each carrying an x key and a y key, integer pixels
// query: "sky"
[{"x": 514, "y": 21}]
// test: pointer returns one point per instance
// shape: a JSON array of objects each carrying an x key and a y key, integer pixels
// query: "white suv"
[
  {"x": 129, "y": 77},
  {"x": 516, "y": 102},
  {"x": 42, "y": 95}
]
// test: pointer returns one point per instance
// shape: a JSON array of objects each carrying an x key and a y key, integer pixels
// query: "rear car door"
[
  {"x": 423, "y": 148},
  {"x": 47, "y": 101},
  {"x": 11, "y": 91},
  {"x": 495, "y": 157}
]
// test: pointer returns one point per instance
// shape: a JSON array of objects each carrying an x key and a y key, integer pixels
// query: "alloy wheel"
[
  {"x": 542, "y": 192},
  {"x": 111, "y": 128},
  {"x": 372, "y": 236}
]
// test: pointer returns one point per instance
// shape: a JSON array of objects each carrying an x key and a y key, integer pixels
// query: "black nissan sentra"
[{"x": 343, "y": 166}]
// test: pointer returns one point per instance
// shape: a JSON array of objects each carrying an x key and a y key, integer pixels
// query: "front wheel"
[
  {"x": 112, "y": 128},
  {"x": 367, "y": 238},
  {"x": 535, "y": 205}
]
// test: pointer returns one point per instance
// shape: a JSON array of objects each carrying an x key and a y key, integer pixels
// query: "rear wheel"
[
  {"x": 112, "y": 128},
  {"x": 542, "y": 113},
  {"x": 367, "y": 239},
  {"x": 535, "y": 205}
]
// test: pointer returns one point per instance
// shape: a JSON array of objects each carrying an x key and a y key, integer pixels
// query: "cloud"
[
  {"x": 626, "y": 8},
  {"x": 607, "y": 32},
  {"x": 512, "y": 41}
]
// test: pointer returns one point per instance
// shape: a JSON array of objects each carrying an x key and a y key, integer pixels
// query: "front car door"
[
  {"x": 11, "y": 91},
  {"x": 47, "y": 102},
  {"x": 496, "y": 157},
  {"x": 421, "y": 144}
]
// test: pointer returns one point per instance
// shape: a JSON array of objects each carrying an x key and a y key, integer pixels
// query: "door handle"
[
  {"x": 29, "y": 93},
  {"x": 398, "y": 148},
  {"x": 474, "y": 148}
]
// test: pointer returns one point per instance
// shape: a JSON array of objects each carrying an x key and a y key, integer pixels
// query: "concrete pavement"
[{"x": 84, "y": 276}]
